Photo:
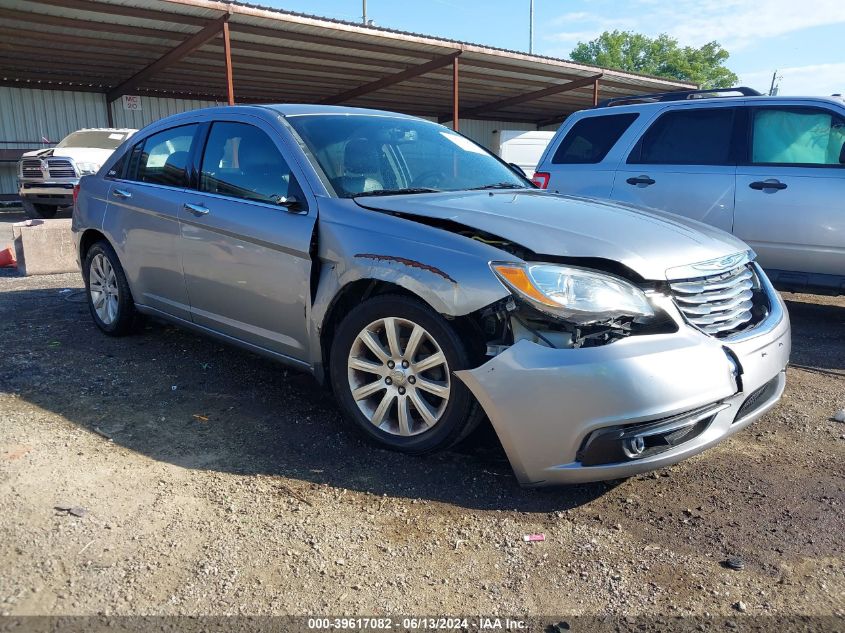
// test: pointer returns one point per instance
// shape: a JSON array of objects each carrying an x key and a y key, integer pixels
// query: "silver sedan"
[{"x": 431, "y": 286}]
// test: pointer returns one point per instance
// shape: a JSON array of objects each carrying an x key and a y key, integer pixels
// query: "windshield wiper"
[
  {"x": 395, "y": 192},
  {"x": 499, "y": 185}
]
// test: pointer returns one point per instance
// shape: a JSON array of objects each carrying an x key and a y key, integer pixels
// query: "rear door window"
[
  {"x": 810, "y": 137},
  {"x": 241, "y": 161},
  {"x": 591, "y": 138},
  {"x": 699, "y": 136},
  {"x": 163, "y": 158}
]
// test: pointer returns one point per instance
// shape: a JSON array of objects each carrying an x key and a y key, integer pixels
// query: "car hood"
[
  {"x": 77, "y": 154},
  {"x": 654, "y": 244}
]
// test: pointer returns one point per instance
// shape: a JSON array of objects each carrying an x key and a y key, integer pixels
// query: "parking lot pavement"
[{"x": 210, "y": 481}]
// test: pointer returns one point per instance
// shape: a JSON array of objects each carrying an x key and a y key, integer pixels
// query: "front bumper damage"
[{"x": 644, "y": 402}]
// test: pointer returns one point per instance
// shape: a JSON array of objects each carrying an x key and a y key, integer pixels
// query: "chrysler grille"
[{"x": 717, "y": 304}]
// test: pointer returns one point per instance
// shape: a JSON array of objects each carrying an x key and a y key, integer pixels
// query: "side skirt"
[{"x": 225, "y": 338}]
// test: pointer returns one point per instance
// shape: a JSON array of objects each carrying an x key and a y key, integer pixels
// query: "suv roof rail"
[{"x": 677, "y": 95}]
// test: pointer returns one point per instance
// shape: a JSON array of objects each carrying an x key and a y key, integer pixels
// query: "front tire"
[
  {"x": 392, "y": 371},
  {"x": 109, "y": 298}
]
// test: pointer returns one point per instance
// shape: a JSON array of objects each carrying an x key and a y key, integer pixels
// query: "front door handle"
[
  {"x": 123, "y": 194},
  {"x": 772, "y": 183},
  {"x": 640, "y": 180},
  {"x": 196, "y": 209}
]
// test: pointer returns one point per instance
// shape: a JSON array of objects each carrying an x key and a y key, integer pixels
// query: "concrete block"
[{"x": 45, "y": 247}]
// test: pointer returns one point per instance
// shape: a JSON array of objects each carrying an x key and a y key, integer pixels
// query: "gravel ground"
[{"x": 210, "y": 481}]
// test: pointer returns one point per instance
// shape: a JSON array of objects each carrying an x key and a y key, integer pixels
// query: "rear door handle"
[
  {"x": 196, "y": 209},
  {"x": 768, "y": 184},
  {"x": 640, "y": 180},
  {"x": 123, "y": 194}
]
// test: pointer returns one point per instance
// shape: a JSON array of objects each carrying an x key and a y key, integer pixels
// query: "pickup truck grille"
[
  {"x": 32, "y": 168},
  {"x": 61, "y": 168},
  {"x": 56, "y": 168},
  {"x": 718, "y": 305}
]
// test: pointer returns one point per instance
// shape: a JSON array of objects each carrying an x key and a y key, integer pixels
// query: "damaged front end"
[{"x": 568, "y": 307}]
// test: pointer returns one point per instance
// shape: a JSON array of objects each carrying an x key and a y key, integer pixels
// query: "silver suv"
[
  {"x": 770, "y": 170},
  {"x": 429, "y": 283}
]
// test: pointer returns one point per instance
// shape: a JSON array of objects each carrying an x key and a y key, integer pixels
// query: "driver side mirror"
[
  {"x": 291, "y": 203},
  {"x": 518, "y": 170}
]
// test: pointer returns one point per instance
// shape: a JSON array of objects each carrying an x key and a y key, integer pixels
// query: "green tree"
[{"x": 661, "y": 56}]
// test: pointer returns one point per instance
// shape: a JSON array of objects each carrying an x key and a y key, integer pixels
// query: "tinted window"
[
  {"x": 380, "y": 155},
  {"x": 163, "y": 158},
  {"x": 805, "y": 136},
  {"x": 242, "y": 162},
  {"x": 590, "y": 139},
  {"x": 688, "y": 137}
]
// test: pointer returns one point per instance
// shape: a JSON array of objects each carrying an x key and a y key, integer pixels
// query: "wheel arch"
[
  {"x": 361, "y": 290},
  {"x": 88, "y": 238}
]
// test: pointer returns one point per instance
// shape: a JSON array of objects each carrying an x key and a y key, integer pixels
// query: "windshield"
[
  {"x": 94, "y": 139},
  {"x": 382, "y": 155}
]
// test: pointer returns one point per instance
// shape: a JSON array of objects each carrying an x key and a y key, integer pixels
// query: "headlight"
[
  {"x": 574, "y": 294},
  {"x": 87, "y": 168}
]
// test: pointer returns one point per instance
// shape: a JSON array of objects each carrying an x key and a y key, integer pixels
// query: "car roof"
[
  {"x": 750, "y": 100},
  {"x": 106, "y": 129},
  {"x": 295, "y": 109}
]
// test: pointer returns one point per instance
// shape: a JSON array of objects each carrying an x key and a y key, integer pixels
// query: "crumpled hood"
[
  {"x": 77, "y": 154},
  {"x": 647, "y": 241}
]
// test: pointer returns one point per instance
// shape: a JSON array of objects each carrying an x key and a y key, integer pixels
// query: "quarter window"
[
  {"x": 163, "y": 158},
  {"x": 590, "y": 139},
  {"x": 242, "y": 162},
  {"x": 688, "y": 137},
  {"x": 800, "y": 136}
]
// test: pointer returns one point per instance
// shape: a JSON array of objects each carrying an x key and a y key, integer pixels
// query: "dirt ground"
[{"x": 211, "y": 481}]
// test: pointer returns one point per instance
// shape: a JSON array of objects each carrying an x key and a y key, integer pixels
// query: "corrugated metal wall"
[
  {"x": 27, "y": 115},
  {"x": 153, "y": 109}
]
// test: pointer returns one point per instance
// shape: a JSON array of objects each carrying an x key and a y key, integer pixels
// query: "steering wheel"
[{"x": 431, "y": 178}]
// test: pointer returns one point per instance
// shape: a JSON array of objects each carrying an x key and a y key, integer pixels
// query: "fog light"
[{"x": 634, "y": 446}]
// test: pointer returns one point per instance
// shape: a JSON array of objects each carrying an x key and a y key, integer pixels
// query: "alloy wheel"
[
  {"x": 102, "y": 286},
  {"x": 399, "y": 376}
]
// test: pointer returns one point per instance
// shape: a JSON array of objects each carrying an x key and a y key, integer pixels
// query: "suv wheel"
[
  {"x": 38, "y": 211},
  {"x": 109, "y": 299},
  {"x": 391, "y": 367}
]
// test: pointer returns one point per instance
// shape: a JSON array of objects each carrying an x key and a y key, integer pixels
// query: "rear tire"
[
  {"x": 400, "y": 391},
  {"x": 109, "y": 298},
  {"x": 38, "y": 211}
]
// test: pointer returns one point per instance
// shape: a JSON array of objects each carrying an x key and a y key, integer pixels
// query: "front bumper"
[
  {"x": 58, "y": 192},
  {"x": 546, "y": 404}
]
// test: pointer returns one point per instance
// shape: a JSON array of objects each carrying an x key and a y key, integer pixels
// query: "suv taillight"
[
  {"x": 75, "y": 194},
  {"x": 541, "y": 179}
]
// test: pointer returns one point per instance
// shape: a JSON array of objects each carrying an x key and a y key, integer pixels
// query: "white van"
[{"x": 520, "y": 147}]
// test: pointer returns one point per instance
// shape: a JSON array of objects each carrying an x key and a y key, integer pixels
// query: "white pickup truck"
[{"x": 46, "y": 177}]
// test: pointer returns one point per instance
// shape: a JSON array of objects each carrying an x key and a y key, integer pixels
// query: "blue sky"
[{"x": 803, "y": 39}]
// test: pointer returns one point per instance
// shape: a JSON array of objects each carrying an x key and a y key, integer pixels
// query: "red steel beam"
[
  {"x": 395, "y": 78},
  {"x": 191, "y": 44},
  {"x": 456, "y": 106},
  {"x": 227, "y": 51}
]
